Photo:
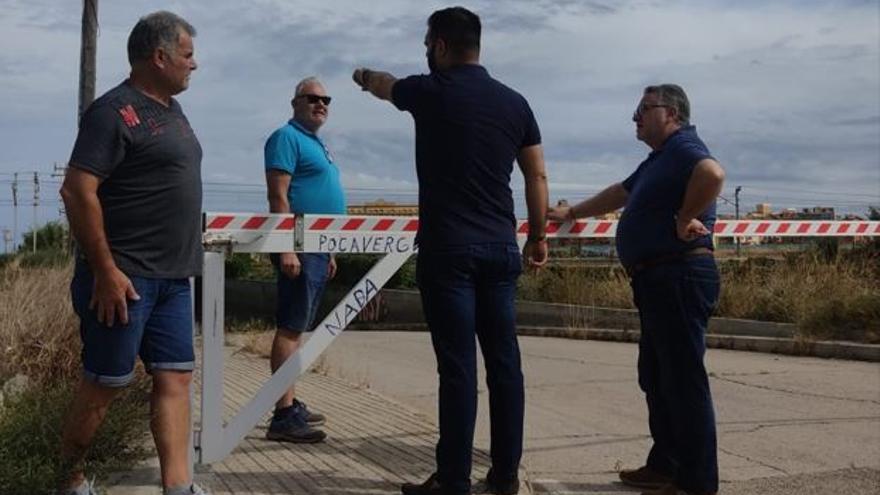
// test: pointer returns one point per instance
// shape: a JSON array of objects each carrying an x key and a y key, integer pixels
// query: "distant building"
[
  {"x": 817, "y": 213},
  {"x": 763, "y": 210},
  {"x": 380, "y": 207}
]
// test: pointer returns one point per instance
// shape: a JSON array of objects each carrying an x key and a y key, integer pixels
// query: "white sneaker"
[{"x": 85, "y": 488}]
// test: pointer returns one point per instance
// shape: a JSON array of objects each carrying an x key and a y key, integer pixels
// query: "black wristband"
[{"x": 541, "y": 238}]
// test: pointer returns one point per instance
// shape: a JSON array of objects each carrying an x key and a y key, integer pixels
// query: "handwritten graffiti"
[
  {"x": 365, "y": 244},
  {"x": 375, "y": 310},
  {"x": 356, "y": 300}
]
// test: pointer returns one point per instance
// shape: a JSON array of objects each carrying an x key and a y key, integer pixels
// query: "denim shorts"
[
  {"x": 159, "y": 329},
  {"x": 298, "y": 299}
]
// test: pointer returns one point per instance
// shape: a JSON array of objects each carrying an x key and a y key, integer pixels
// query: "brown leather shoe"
[
  {"x": 672, "y": 490},
  {"x": 644, "y": 477}
]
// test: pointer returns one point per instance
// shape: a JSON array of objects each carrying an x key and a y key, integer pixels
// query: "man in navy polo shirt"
[
  {"x": 469, "y": 130},
  {"x": 664, "y": 239},
  {"x": 301, "y": 177}
]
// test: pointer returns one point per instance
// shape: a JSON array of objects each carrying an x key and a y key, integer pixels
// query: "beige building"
[{"x": 380, "y": 207}]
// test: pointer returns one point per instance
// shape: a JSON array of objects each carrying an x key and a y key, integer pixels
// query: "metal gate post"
[
  {"x": 213, "y": 282},
  {"x": 239, "y": 426}
]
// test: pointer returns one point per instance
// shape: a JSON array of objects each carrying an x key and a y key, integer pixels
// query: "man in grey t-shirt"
[{"x": 133, "y": 199}]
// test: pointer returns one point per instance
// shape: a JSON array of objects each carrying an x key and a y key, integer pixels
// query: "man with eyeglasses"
[
  {"x": 664, "y": 240},
  {"x": 301, "y": 177},
  {"x": 469, "y": 130}
]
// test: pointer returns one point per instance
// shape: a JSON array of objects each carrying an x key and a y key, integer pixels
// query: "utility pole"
[
  {"x": 7, "y": 237},
  {"x": 36, "y": 205},
  {"x": 88, "y": 49},
  {"x": 14, "y": 209},
  {"x": 736, "y": 207}
]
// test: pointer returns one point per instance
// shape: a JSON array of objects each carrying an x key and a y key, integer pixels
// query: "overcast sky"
[{"x": 785, "y": 93}]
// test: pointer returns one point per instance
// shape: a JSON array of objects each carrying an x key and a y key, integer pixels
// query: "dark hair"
[
  {"x": 159, "y": 29},
  {"x": 458, "y": 27},
  {"x": 674, "y": 96}
]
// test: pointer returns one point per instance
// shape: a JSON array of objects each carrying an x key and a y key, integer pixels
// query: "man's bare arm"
[
  {"x": 609, "y": 199},
  {"x": 277, "y": 183},
  {"x": 376, "y": 82},
  {"x": 702, "y": 189},
  {"x": 112, "y": 287},
  {"x": 531, "y": 162}
]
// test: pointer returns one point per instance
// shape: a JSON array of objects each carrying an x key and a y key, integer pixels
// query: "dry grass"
[
  {"x": 39, "y": 337},
  {"x": 837, "y": 298},
  {"x": 38, "y": 328}
]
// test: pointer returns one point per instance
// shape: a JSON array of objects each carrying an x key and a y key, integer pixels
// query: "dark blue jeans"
[
  {"x": 469, "y": 291},
  {"x": 675, "y": 302}
]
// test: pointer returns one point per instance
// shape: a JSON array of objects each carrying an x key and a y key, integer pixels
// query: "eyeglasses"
[
  {"x": 644, "y": 107},
  {"x": 313, "y": 99}
]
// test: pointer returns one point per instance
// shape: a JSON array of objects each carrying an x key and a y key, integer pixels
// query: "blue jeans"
[
  {"x": 298, "y": 299},
  {"x": 469, "y": 291},
  {"x": 159, "y": 329},
  {"x": 675, "y": 301}
]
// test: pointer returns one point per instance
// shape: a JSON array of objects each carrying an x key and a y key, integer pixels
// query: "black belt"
[{"x": 667, "y": 258}]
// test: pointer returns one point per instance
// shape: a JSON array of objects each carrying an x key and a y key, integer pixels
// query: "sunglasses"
[
  {"x": 644, "y": 107},
  {"x": 313, "y": 99}
]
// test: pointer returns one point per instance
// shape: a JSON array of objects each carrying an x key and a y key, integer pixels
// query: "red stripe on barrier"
[
  {"x": 877, "y": 230},
  {"x": 782, "y": 228},
  {"x": 603, "y": 227},
  {"x": 719, "y": 227},
  {"x": 286, "y": 224},
  {"x": 353, "y": 224},
  {"x": 762, "y": 227},
  {"x": 254, "y": 223},
  {"x": 383, "y": 224},
  {"x": 842, "y": 228},
  {"x": 802, "y": 228},
  {"x": 578, "y": 227},
  {"x": 740, "y": 228},
  {"x": 321, "y": 224},
  {"x": 862, "y": 228},
  {"x": 524, "y": 228},
  {"x": 823, "y": 228},
  {"x": 411, "y": 226},
  {"x": 220, "y": 222},
  {"x": 552, "y": 227}
]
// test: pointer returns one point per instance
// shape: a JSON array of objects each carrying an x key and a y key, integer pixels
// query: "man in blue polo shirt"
[
  {"x": 301, "y": 177},
  {"x": 664, "y": 239},
  {"x": 469, "y": 130}
]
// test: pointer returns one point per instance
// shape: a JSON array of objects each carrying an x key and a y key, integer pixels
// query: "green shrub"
[
  {"x": 30, "y": 428},
  {"x": 238, "y": 265},
  {"x": 51, "y": 236},
  {"x": 351, "y": 268}
]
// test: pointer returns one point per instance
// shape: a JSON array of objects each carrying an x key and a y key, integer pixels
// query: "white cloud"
[{"x": 784, "y": 92}]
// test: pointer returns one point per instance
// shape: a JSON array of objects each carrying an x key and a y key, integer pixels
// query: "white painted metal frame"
[
  {"x": 216, "y": 440},
  {"x": 392, "y": 237}
]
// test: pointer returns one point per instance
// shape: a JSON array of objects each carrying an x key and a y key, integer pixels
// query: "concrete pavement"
[
  {"x": 786, "y": 424},
  {"x": 374, "y": 444}
]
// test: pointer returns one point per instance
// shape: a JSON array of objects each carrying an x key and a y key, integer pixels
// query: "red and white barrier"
[{"x": 346, "y": 233}]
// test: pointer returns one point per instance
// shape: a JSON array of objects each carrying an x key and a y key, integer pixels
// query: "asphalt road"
[{"x": 786, "y": 425}]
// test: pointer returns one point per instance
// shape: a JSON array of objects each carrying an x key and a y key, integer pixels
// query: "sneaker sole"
[
  {"x": 317, "y": 423},
  {"x": 283, "y": 437}
]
